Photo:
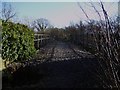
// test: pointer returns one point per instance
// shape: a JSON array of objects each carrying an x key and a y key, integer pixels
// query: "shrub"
[{"x": 17, "y": 42}]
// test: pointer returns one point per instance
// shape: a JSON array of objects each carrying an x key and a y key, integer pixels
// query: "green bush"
[{"x": 17, "y": 42}]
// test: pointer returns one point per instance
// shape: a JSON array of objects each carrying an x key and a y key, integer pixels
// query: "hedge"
[{"x": 17, "y": 42}]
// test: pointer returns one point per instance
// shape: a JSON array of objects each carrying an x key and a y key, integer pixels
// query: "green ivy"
[{"x": 17, "y": 42}]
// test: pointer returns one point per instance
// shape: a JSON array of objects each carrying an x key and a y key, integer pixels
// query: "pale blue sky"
[{"x": 60, "y": 14}]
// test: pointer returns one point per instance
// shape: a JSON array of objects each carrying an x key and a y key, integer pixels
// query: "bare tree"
[
  {"x": 41, "y": 24},
  {"x": 7, "y": 11}
]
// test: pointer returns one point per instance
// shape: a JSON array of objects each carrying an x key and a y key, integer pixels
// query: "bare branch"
[
  {"x": 96, "y": 10},
  {"x": 7, "y": 12},
  {"x": 83, "y": 11}
]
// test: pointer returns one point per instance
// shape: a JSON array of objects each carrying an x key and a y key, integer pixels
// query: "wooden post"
[
  {"x": 38, "y": 39},
  {"x": 41, "y": 40}
]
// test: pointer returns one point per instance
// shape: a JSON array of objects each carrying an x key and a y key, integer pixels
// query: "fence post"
[{"x": 38, "y": 39}]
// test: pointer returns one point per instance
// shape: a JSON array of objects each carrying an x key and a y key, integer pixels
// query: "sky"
[
  {"x": 59, "y": 0},
  {"x": 60, "y": 14}
]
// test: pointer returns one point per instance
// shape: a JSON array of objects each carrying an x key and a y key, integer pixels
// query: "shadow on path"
[{"x": 70, "y": 74}]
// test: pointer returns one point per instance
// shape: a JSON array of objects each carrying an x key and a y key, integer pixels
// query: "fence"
[{"x": 40, "y": 40}]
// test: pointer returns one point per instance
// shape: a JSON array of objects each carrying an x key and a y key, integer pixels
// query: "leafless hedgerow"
[{"x": 107, "y": 41}]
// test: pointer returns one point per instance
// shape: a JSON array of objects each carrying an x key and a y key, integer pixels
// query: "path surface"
[
  {"x": 66, "y": 67},
  {"x": 62, "y": 51}
]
